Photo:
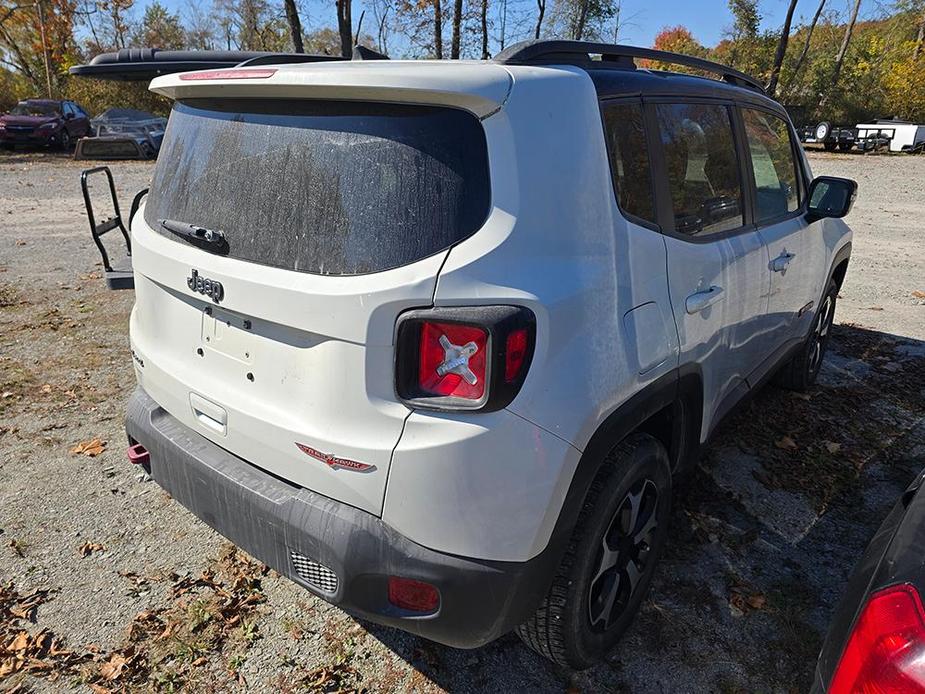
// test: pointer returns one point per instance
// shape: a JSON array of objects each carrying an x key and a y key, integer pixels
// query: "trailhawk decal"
[{"x": 334, "y": 461}]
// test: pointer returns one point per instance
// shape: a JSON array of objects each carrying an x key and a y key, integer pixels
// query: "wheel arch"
[
  {"x": 670, "y": 409},
  {"x": 840, "y": 265}
]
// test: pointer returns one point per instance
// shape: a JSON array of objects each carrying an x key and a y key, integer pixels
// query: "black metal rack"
[
  {"x": 115, "y": 279},
  {"x": 542, "y": 52}
]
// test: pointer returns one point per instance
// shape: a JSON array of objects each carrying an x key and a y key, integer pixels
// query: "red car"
[{"x": 48, "y": 122}]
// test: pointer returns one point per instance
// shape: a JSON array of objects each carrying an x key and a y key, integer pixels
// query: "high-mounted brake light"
[
  {"x": 232, "y": 74},
  {"x": 463, "y": 358},
  {"x": 886, "y": 649}
]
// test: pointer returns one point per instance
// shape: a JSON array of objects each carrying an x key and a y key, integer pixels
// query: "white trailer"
[{"x": 901, "y": 135}]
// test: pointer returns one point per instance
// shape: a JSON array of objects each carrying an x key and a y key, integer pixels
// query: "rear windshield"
[{"x": 330, "y": 188}]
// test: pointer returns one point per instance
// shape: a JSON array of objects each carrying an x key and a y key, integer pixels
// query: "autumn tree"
[{"x": 781, "y": 49}]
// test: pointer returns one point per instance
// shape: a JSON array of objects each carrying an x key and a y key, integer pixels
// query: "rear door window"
[
  {"x": 624, "y": 129},
  {"x": 773, "y": 166},
  {"x": 334, "y": 188},
  {"x": 702, "y": 167}
]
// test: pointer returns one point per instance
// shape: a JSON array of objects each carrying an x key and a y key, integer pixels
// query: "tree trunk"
[
  {"x": 843, "y": 51},
  {"x": 805, "y": 51},
  {"x": 345, "y": 27},
  {"x": 484, "y": 18},
  {"x": 295, "y": 25},
  {"x": 781, "y": 49},
  {"x": 457, "y": 21},
  {"x": 920, "y": 39},
  {"x": 438, "y": 30},
  {"x": 579, "y": 28}
]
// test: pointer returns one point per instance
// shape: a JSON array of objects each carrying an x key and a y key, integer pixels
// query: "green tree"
[{"x": 160, "y": 29}]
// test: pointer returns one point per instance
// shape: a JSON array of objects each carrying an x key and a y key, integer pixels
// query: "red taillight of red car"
[
  {"x": 413, "y": 595},
  {"x": 463, "y": 358},
  {"x": 886, "y": 649}
]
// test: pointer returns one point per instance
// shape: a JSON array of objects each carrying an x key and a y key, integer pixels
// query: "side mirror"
[{"x": 830, "y": 196}]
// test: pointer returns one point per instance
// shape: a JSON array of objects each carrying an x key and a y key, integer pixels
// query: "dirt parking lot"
[{"x": 117, "y": 587}]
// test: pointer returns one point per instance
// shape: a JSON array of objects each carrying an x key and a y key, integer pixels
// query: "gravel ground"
[{"x": 142, "y": 596}]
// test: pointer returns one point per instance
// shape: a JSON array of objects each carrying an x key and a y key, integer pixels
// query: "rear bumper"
[{"x": 275, "y": 521}]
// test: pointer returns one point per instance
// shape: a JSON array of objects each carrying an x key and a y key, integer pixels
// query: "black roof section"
[
  {"x": 130, "y": 64},
  {"x": 543, "y": 52}
]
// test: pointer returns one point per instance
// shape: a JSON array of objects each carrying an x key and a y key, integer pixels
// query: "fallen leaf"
[
  {"x": 88, "y": 548},
  {"x": 756, "y": 601},
  {"x": 832, "y": 447},
  {"x": 918, "y": 295},
  {"x": 786, "y": 444},
  {"x": 112, "y": 669},
  {"x": 20, "y": 643},
  {"x": 91, "y": 448}
]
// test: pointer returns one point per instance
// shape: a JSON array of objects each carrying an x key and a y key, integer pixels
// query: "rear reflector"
[
  {"x": 886, "y": 649},
  {"x": 515, "y": 354},
  {"x": 233, "y": 74},
  {"x": 413, "y": 595},
  {"x": 138, "y": 455}
]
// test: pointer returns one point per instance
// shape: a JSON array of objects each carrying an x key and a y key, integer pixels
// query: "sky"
[{"x": 707, "y": 20}]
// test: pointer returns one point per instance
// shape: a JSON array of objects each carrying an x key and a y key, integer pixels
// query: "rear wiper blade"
[{"x": 199, "y": 235}]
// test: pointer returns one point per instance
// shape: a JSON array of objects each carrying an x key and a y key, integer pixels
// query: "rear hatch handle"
[{"x": 210, "y": 239}]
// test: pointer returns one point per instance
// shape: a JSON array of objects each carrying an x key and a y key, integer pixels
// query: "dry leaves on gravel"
[
  {"x": 88, "y": 548},
  {"x": 91, "y": 448},
  {"x": 743, "y": 599}
]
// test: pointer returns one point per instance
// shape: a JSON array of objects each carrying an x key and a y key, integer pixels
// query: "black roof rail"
[
  {"x": 132, "y": 64},
  {"x": 545, "y": 52}
]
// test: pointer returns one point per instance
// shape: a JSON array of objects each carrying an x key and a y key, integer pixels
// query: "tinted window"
[
  {"x": 773, "y": 166},
  {"x": 629, "y": 159},
  {"x": 702, "y": 167},
  {"x": 323, "y": 187}
]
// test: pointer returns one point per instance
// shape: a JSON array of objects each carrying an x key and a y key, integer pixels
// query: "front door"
[{"x": 795, "y": 261}]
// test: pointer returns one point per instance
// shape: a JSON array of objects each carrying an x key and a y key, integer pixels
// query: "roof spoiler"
[
  {"x": 137, "y": 64},
  {"x": 545, "y": 52}
]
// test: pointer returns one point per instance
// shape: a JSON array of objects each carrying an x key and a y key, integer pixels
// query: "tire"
[
  {"x": 829, "y": 146},
  {"x": 572, "y": 626},
  {"x": 822, "y": 131},
  {"x": 801, "y": 371},
  {"x": 845, "y": 146},
  {"x": 63, "y": 141}
]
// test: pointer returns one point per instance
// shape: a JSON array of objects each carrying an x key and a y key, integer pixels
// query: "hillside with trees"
[{"x": 825, "y": 61}]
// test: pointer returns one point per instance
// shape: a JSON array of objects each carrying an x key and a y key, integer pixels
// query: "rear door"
[
  {"x": 796, "y": 249},
  {"x": 328, "y": 220},
  {"x": 717, "y": 263}
]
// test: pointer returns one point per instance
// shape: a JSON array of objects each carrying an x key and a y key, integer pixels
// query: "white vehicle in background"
[
  {"x": 434, "y": 338},
  {"x": 900, "y": 136}
]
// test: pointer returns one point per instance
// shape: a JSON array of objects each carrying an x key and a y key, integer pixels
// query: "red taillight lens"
[
  {"x": 453, "y": 360},
  {"x": 230, "y": 74},
  {"x": 515, "y": 354},
  {"x": 886, "y": 649},
  {"x": 409, "y": 594}
]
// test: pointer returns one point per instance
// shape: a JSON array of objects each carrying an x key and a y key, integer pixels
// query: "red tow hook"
[{"x": 138, "y": 455}]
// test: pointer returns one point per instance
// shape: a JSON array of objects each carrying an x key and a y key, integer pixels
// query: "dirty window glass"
[
  {"x": 323, "y": 187},
  {"x": 773, "y": 166},
  {"x": 702, "y": 167},
  {"x": 629, "y": 159}
]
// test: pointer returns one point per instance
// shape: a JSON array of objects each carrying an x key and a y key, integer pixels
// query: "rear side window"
[
  {"x": 629, "y": 160},
  {"x": 332, "y": 188},
  {"x": 773, "y": 165},
  {"x": 702, "y": 166}
]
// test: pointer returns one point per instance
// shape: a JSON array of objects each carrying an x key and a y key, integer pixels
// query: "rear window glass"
[{"x": 329, "y": 188}]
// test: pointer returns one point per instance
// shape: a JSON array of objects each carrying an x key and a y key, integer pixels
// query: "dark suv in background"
[{"x": 43, "y": 122}]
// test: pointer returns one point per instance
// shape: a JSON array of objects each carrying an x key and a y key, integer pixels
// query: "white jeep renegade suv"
[{"x": 433, "y": 338}]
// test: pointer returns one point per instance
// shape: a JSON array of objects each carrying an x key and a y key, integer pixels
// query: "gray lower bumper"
[{"x": 338, "y": 552}]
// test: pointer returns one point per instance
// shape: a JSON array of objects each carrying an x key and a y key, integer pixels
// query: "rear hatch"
[{"x": 332, "y": 218}]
